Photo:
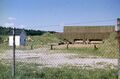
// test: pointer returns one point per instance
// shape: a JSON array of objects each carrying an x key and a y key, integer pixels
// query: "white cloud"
[
  {"x": 9, "y": 24},
  {"x": 11, "y": 18}
]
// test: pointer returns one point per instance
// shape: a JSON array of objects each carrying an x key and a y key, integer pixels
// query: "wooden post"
[
  {"x": 51, "y": 47},
  {"x": 32, "y": 47},
  {"x": 67, "y": 45},
  {"x": 95, "y": 47}
]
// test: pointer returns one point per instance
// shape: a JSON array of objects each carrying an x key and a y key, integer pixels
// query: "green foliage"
[
  {"x": 6, "y": 31},
  {"x": 44, "y": 39},
  {"x": 34, "y": 32},
  {"x": 50, "y": 38},
  {"x": 31, "y": 71},
  {"x": 5, "y": 71},
  {"x": 84, "y": 51},
  {"x": 110, "y": 46},
  {"x": 3, "y": 47},
  {"x": 3, "y": 43}
]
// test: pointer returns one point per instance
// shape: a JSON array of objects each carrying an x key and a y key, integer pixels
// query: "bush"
[
  {"x": 109, "y": 47},
  {"x": 1, "y": 39}
]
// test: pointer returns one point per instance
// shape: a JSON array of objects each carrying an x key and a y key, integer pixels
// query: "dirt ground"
[
  {"x": 75, "y": 45},
  {"x": 50, "y": 58}
]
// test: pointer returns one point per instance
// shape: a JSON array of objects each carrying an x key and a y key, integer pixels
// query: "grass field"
[
  {"x": 44, "y": 39},
  {"x": 31, "y": 71},
  {"x": 3, "y": 44},
  {"x": 89, "y": 50},
  {"x": 3, "y": 47}
]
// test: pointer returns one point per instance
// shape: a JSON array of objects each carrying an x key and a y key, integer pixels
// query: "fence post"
[
  {"x": 51, "y": 47},
  {"x": 67, "y": 45},
  {"x": 95, "y": 47},
  {"x": 117, "y": 29},
  {"x": 118, "y": 37},
  {"x": 31, "y": 47},
  {"x": 13, "y": 68}
]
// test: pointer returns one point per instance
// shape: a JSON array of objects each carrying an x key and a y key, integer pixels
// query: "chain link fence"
[{"x": 47, "y": 56}]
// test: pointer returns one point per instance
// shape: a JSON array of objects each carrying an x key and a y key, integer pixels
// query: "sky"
[{"x": 53, "y": 15}]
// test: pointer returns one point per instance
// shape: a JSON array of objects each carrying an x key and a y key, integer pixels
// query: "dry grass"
[{"x": 75, "y": 46}]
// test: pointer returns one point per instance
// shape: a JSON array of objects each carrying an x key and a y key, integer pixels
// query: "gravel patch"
[{"x": 52, "y": 59}]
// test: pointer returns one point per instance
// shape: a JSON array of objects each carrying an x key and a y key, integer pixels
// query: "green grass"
[
  {"x": 110, "y": 47},
  {"x": 43, "y": 40},
  {"x": 30, "y": 71},
  {"x": 4, "y": 44},
  {"x": 82, "y": 50},
  {"x": 90, "y": 51},
  {"x": 3, "y": 47}
]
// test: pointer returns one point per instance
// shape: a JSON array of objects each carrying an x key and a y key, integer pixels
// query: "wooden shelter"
[
  {"x": 20, "y": 37},
  {"x": 86, "y": 33}
]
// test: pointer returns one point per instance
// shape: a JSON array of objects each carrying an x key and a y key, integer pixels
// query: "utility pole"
[
  {"x": 117, "y": 29},
  {"x": 14, "y": 66}
]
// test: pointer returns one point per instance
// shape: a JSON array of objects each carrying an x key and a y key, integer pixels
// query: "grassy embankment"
[
  {"x": 31, "y": 71},
  {"x": 3, "y": 44},
  {"x": 44, "y": 40},
  {"x": 36, "y": 42}
]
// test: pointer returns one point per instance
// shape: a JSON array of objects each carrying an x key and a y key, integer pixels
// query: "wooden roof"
[{"x": 88, "y": 29}]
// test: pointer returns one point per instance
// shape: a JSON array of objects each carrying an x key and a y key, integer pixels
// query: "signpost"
[{"x": 117, "y": 29}]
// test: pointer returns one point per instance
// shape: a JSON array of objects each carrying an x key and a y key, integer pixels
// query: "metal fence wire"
[{"x": 67, "y": 55}]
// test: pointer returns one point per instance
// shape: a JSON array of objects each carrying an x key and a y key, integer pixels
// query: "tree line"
[{"x": 29, "y": 32}]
